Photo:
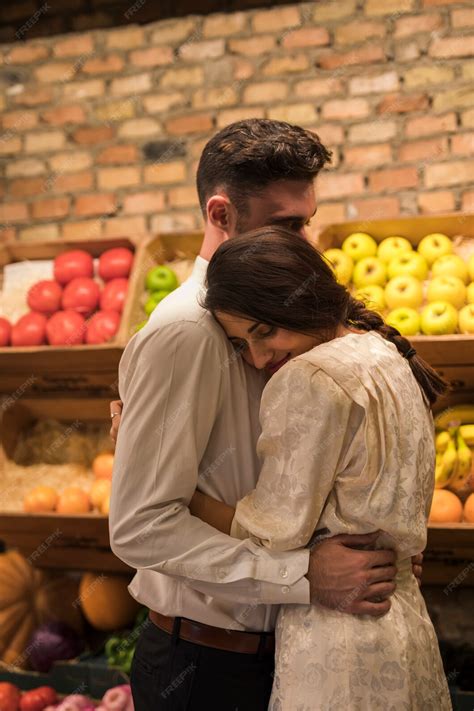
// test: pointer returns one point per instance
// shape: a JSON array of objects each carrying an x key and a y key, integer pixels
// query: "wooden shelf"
[{"x": 449, "y": 555}]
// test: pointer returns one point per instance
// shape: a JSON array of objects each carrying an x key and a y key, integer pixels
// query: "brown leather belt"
[{"x": 216, "y": 637}]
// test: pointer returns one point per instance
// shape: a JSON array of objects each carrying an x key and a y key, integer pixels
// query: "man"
[{"x": 190, "y": 420}]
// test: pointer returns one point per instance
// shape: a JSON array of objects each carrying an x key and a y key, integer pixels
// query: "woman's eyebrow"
[{"x": 252, "y": 328}]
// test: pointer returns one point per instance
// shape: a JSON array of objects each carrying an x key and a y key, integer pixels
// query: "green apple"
[
  {"x": 161, "y": 279},
  {"x": 154, "y": 299},
  {"x": 470, "y": 293},
  {"x": 439, "y": 318},
  {"x": 408, "y": 263},
  {"x": 404, "y": 290},
  {"x": 359, "y": 245},
  {"x": 391, "y": 247},
  {"x": 341, "y": 264},
  {"x": 470, "y": 267},
  {"x": 453, "y": 265},
  {"x": 435, "y": 245},
  {"x": 466, "y": 319},
  {"x": 372, "y": 296},
  {"x": 447, "y": 288},
  {"x": 405, "y": 320},
  {"x": 369, "y": 270}
]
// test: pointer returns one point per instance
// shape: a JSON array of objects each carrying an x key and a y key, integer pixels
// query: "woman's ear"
[{"x": 222, "y": 214}]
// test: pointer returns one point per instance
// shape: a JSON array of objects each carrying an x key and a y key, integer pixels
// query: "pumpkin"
[
  {"x": 106, "y": 602},
  {"x": 28, "y": 598}
]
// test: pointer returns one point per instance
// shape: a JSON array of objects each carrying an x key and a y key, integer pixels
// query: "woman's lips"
[{"x": 275, "y": 366}]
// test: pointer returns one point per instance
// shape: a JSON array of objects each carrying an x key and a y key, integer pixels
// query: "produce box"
[
  {"x": 450, "y": 350},
  {"x": 54, "y": 540},
  {"x": 177, "y": 250},
  {"x": 59, "y": 368}
]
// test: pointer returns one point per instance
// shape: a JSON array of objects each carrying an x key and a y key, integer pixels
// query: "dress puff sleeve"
[{"x": 305, "y": 419}]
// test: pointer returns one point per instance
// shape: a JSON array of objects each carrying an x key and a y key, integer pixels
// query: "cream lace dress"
[{"x": 347, "y": 445}]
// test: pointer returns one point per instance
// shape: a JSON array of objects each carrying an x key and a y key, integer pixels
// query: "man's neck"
[{"x": 213, "y": 238}]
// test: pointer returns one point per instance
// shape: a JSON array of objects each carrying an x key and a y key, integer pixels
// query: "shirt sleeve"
[
  {"x": 305, "y": 424},
  {"x": 172, "y": 394}
]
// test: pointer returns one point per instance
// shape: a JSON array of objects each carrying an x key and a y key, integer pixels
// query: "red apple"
[
  {"x": 82, "y": 295},
  {"x": 115, "y": 263},
  {"x": 113, "y": 295},
  {"x": 66, "y": 328},
  {"x": 45, "y": 296},
  {"x": 72, "y": 264},
  {"x": 102, "y": 327},
  {"x": 29, "y": 330}
]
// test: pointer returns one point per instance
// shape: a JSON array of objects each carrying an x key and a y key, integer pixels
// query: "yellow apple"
[
  {"x": 439, "y": 318},
  {"x": 447, "y": 288},
  {"x": 405, "y": 320},
  {"x": 453, "y": 265},
  {"x": 470, "y": 293},
  {"x": 369, "y": 270},
  {"x": 359, "y": 245},
  {"x": 435, "y": 245},
  {"x": 391, "y": 247},
  {"x": 341, "y": 264},
  {"x": 408, "y": 263},
  {"x": 404, "y": 290},
  {"x": 372, "y": 296},
  {"x": 466, "y": 319}
]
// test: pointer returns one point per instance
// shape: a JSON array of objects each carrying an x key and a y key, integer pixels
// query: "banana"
[
  {"x": 445, "y": 465},
  {"x": 442, "y": 440},
  {"x": 467, "y": 433},
  {"x": 462, "y": 471},
  {"x": 457, "y": 415}
]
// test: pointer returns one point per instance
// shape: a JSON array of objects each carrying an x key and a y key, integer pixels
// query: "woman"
[{"x": 347, "y": 447}]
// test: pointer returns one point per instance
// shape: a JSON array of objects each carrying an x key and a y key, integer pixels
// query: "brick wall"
[{"x": 101, "y": 130}]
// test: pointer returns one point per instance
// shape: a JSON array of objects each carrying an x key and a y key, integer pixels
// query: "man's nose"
[{"x": 259, "y": 354}]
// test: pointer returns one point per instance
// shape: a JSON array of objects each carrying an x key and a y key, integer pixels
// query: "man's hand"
[
  {"x": 417, "y": 566},
  {"x": 115, "y": 413},
  {"x": 343, "y": 577}
]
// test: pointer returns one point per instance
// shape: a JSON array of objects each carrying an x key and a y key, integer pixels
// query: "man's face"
[{"x": 286, "y": 203}]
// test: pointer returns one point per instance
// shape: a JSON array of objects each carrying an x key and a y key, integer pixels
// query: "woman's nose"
[{"x": 259, "y": 354}]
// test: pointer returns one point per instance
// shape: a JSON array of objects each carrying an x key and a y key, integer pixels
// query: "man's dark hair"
[{"x": 246, "y": 156}]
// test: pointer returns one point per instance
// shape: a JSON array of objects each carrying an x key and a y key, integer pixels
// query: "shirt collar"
[{"x": 200, "y": 270}]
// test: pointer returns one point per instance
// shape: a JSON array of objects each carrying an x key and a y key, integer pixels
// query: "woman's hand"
[
  {"x": 115, "y": 413},
  {"x": 417, "y": 566}
]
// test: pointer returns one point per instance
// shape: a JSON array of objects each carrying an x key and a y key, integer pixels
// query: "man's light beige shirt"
[{"x": 190, "y": 420}]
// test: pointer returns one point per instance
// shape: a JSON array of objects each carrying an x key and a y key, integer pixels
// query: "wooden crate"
[
  {"x": 72, "y": 368},
  {"x": 79, "y": 542},
  {"x": 452, "y": 351}
]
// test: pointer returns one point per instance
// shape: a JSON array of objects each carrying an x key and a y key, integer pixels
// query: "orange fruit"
[
  {"x": 100, "y": 490},
  {"x": 469, "y": 509},
  {"x": 40, "y": 499},
  {"x": 446, "y": 507},
  {"x": 103, "y": 465},
  {"x": 73, "y": 501},
  {"x": 105, "y": 506}
]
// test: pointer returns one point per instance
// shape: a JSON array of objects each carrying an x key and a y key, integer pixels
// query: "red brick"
[
  {"x": 423, "y": 150},
  {"x": 165, "y": 173},
  {"x": 72, "y": 182},
  {"x": 452, "y": 47},
  {"x": 387, "y": 7},
  {"x": 300, "y": 114},
  {"x": 362, "y": 55},
  {"x": 278, "y": 18},
  {"x": 230, "y": 115},
  {"x": 39, "y": 233},
  {"x": 120, "y": 226},
  {"x": 429, "y": 125},
  {"x": 24, "y": 168},
  {"x": 96, "y": 204},
  {"x": 34, "y": 97},
  {"x": 467, "y": 118},
  {"x": 289, "y": 63},
  {"x": 152, "y": 57},
  {"x": 137, "y": 84},
  {"x": 118, "y": 154},
  {"x": 306, "y": 37},
  {"x": 431, "y": 3},
  {"x": 127, "y": 38},
  {"x": 194, "y": 123},
  {"x": 330, "y": 133},
  {"x": 378, "y": 83},
  {"x": 266, "y": 92},
  {"x": 138, "y": 203},
  {"x": 20, "y": 120},
  {"x": 374, "y": 208},
  {"x": 172, "y": 221},
  {"x": 7, "y": 234},
  {"x": 252, "y": 46},
  {"x": 361, "y": 156},
  {"x": 345, "y": 109},
  {"x": 84, "y": 89},
  {"x": 328, "y": 213},
  {"x": 44, "y": 141},
  {"x": 372, "y": 131},
  {"x": 183, "y": 196},
  {"x": 354, "y": 32},
  {"x": 463, "y": 143},
  {"x": 402, "y": 103},
  {"x": 75, "y": 46},
  {"x": 54, "y": 72},
  {"x": 202, "y": 51},
  {"x": 393, "y": 179},
  {"x": 70, "y": 161},
  {"x": 309, "y": 88},
  {"x": 462, "y": 18},
  {"x": 24, "y": 187},
  {"x": 27, "y": 54},
  {"x": 139, "y": 128},
  {"x": 111, "y": 178},
  {"x": 86, "y": 229},
  {"x": 50, "y": 207},
  {"x": 445, "y": 174},
  {"x": 413, "y": 24},
  {"x": 156, "y": 103},
  {"x": 13, "y": 212},
  {"x": 335, "y": 186},
  {"x": 74, "y": 113},
  {"x": 440, "y": 201},
  {"x": 92, "y": 135},
  {"x": 468, "y": 201},
  {"x": 103, "y": 65}
]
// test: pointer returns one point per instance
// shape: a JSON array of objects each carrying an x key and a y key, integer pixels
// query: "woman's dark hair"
[
  {"x": 274, "y": 276},
  {"x": 246, "y": 156}
]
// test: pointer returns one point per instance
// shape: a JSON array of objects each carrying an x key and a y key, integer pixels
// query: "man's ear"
[{"x": 222, "y": 214}]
